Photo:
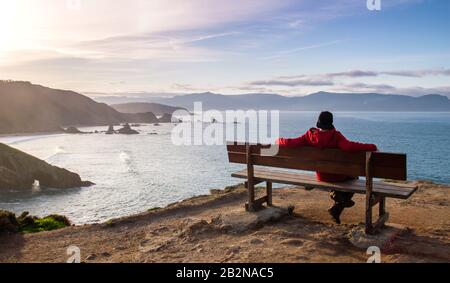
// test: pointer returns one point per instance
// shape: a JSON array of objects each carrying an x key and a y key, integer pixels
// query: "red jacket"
[{"x": 327, "y": 139}]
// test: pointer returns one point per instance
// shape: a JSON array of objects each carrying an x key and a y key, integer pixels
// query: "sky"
[{"x": 288, "y": 47}]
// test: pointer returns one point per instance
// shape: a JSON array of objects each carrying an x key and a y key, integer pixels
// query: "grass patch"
[
  {"x": 30, "y": 224},
  {"x": 154, "y": 209},
  {"x": 26, "y": 223},
  {"x": 43, "y": 224}
]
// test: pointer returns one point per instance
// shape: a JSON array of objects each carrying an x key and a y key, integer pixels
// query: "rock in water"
[
  {"x": 73, "y": 130},
  {"x": 127, "y": 130},
  {"x": 110, "y": 130},
  {"x": 19, "y": 171}
]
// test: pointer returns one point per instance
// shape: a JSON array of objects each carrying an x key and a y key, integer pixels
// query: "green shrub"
[{"x": 48, "y": 223}]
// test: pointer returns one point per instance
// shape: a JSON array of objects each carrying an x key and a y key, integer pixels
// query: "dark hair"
[{"x": 325, "y": 121}]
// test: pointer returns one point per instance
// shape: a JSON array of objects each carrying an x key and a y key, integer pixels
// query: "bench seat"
[{"x": 393, "y": 190}]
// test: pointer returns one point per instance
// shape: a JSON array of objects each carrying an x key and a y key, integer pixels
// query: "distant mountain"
[
  {"x": 28, "y": 108},
  {"x": 313, "y": 102},
  {"x": 143, "y": 107}
]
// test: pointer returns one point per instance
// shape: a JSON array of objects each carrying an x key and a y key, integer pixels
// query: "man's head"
[{"x": 325, "y": 121}]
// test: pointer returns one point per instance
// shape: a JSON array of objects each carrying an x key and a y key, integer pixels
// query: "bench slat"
[
  {"x": 358, "y": 185},
  {"x": 307, "y": 152},
  {"x": 322, "y": 165},
  {"x": 403, "y": 191},
  {"x": 331, "y": 154}
]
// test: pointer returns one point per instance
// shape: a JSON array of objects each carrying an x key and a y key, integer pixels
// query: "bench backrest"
[{"x": 383, "y": 165}]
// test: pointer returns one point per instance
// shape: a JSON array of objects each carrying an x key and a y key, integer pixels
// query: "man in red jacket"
[{"x": 326, "y": 136}]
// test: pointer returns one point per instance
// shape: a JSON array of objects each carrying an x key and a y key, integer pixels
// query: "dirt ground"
[{"x": 190, "y": 231}]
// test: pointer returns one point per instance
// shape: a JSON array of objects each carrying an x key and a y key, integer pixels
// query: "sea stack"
[
  {"x": 127, "y": 130},
  {"x": 73, "y": 130},
  {"x": 110, "y": 130}
]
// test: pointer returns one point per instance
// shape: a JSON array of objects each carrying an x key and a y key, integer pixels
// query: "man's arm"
[
  {"x": 296, "y": 142},
  {"x": 346, "y": 145}
]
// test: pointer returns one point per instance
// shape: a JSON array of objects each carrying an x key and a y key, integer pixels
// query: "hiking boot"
[
  {"x": 349, "y": 204},
  {"x": 335, "y": 212}
]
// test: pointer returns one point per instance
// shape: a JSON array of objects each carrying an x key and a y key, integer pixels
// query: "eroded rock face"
[{"x": 19, "y": 171}]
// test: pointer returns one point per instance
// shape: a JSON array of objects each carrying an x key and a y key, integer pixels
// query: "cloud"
[
  {"x": 299, "y": 49},
  {"x": 367, "y": 73},
  {"x": 353, "y": 74},
  {"x": 292, "y": 83},
  {"x": 390, "y": 89},
  {"x": 419, "y": 73},
  {"x": 404, "y": 73},
  {"x": 345, "y": 82}
]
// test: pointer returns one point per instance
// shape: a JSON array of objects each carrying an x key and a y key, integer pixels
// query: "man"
[{"x": 326, "y": 136}]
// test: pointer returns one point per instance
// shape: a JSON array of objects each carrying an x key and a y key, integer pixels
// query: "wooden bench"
[{"x": 362, "y": 164}]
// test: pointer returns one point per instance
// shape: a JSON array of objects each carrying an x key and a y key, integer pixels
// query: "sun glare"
[{"x": 18, "y": 25}]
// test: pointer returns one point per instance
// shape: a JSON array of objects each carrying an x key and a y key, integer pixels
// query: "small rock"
[
  {"x": 302, "y": 258},
  {"x": 384, "y": 239},
  {"x": 233, "y": 250},
  {"x": 292, "y": 242},
  {"x": 225, "y": 227},
  {"x": 91, "y": 257},
  {"x": 256, "y": 241}
]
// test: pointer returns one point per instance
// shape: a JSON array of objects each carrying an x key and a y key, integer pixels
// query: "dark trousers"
[{"x": 341, "y": 197}]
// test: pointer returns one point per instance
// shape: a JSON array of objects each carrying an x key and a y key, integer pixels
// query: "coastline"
[
  {"x": 31, "y": 134},
  {"x": 193, "y": 230}
]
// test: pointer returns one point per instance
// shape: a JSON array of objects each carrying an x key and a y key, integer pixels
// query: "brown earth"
[{"x": 194, "y": 231}]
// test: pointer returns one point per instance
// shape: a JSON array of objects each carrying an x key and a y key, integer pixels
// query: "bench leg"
[
  {"x": 250, "y": 205},
  {"x": 369, "y": 226},
  {"x": 269, "y": 194},
  {"x": 382, "y": 206},
  {"x": 383, "y": 216}
]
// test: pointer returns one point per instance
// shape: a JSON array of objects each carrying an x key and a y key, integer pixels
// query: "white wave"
[
  {"x": 56, "y": 151},
  {"x": 125, "y": 156}
]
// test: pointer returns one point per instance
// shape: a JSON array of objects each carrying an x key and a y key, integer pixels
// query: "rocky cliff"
[
  {"x": 27, "y": 108},
  {"x": 19, "y": 171}
]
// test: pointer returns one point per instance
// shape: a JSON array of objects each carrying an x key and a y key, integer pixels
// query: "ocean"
[{"x": 136, "y": 173}]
